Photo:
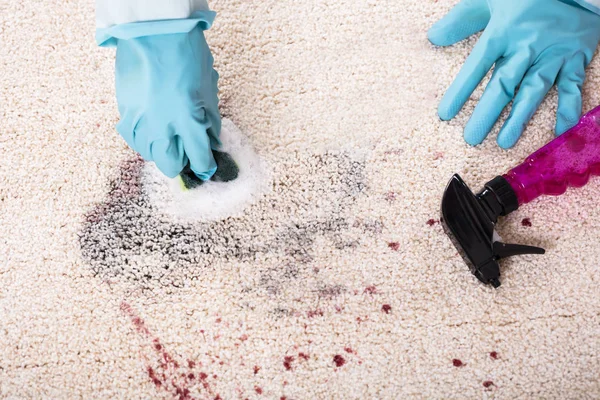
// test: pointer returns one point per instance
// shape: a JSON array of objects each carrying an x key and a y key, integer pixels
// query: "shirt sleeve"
[
  {"x": 127, "y": 19},
  {"x": 117, "y": 12}
]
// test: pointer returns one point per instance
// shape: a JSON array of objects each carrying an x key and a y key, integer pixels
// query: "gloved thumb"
[{"x": 465, "y": 19}]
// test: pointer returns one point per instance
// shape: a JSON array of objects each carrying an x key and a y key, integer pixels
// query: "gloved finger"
[
  {"x": 507, "y": 75},
  {"x": 534, "y": 88},
  {"x": 169, "y": 156},
  {"x": 127, "y": 126},
  {"x": 569, "y": 83},
  {"x": 482, "y": 58},
  {"x": 197, "y": 145},
  {"x": 465, "y": 19}
]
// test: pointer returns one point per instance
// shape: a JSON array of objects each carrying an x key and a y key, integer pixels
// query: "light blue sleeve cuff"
[
  {"x": 592, "y": 5},
  {"x": 108, "y": 37}
]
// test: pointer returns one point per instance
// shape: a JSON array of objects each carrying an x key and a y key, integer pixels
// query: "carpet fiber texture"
[{"x": 337, "y": 283}]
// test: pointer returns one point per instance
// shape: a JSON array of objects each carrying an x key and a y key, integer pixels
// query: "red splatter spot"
[
  {"x": 243, "y": 338},
  {"x": 349, "y": 350},
  {"x": 256, "y": 369},
  {"x": 303, "y": 356},
  {"x": 258, "y": 389},
  {"x": 526, "y": 222},
  {"x": 488, "y": 384},
  {"x": 191, "y": 364},
  {"x": 390, "y": 196},
  {"x": 386, "y": 308},
  {"x": 215, "y": 376},
  {"x": 218, "y": 397},
  {"x": 494, "y": 355},
  {"x": 457, "y": 363},
  {"x": 174, "y": 383},
  {"x": 394, "y": 246},
  {"x": 338, "y": 309},
  {"x": 153, "y": 377},
  {"x": 432, "y": 222},
  {"x": 287, "y": 362},
  {"x": 283, "y": 398},
  {"x": 218, "y": 320},
  {"x": 182, "y": 393},
  {"x": 315, "y": 313},
  {"x": 203, "y": 376},
  {"x": 339, "y": 361},
  {"x": 191, "y": 376},
  {"x": 139, "y": 323},
  {"x": 370, "y": 290}
]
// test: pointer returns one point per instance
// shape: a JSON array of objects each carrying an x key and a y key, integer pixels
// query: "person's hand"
[
  {"x": 167, "y": 96},
  {"x": 532, "y": 45}
]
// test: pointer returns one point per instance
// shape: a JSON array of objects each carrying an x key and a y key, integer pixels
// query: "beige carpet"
[{"x": 333, "y": 285}]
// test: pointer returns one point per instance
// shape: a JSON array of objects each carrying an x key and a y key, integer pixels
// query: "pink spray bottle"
[{"x": 469, "y": 219}]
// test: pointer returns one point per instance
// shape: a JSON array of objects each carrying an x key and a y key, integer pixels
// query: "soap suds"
[{"x": 212, "y": 201}]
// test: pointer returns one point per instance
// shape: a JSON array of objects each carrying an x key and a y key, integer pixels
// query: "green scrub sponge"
[{"x": 227, "y": 171}]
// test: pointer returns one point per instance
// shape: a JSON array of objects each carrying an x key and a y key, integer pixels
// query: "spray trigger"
[
  {"x": 470, "y": 221},
  {"x": 504, "y": 250}
]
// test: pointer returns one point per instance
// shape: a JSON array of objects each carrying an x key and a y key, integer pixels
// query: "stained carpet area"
[{"x": 337, "y": 282}]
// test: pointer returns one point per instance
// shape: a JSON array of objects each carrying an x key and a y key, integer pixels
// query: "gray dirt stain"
[{"x": 126, "y": 240}]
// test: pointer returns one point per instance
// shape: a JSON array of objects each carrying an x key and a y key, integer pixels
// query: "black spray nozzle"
[{"x": 469, "y": 219}]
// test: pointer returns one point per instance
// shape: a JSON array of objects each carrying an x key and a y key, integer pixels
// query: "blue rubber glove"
[
  {"x": 167, "y": 96},
  {"x": 533, "y": 44}
]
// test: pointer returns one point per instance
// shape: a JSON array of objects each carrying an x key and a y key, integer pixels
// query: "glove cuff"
[
  {"x": 108, "y": 37},
  {"x": 592, "y": 5}
]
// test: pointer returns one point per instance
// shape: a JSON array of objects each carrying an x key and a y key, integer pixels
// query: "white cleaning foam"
[{"x": 213, "y": 200}]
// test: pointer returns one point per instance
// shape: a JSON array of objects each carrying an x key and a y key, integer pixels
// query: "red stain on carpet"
[
  {"x": 287, "y": 362},
  {"x": 370, "y": 290},
  {"x": 167, "y": 376},
  {"x": 339, "y": 361},
  {"x": 386, "y": 308},
  {"x": 488, "y": 384},
  {"x": 526, "y": 222},
  {"x": 315, "y": 313},
  {"x": 494, "y": 355},
  {"x": 457, "y": 363},
  {"x": 153, "y": 377},
  {"x": 394, "y": 246}
]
